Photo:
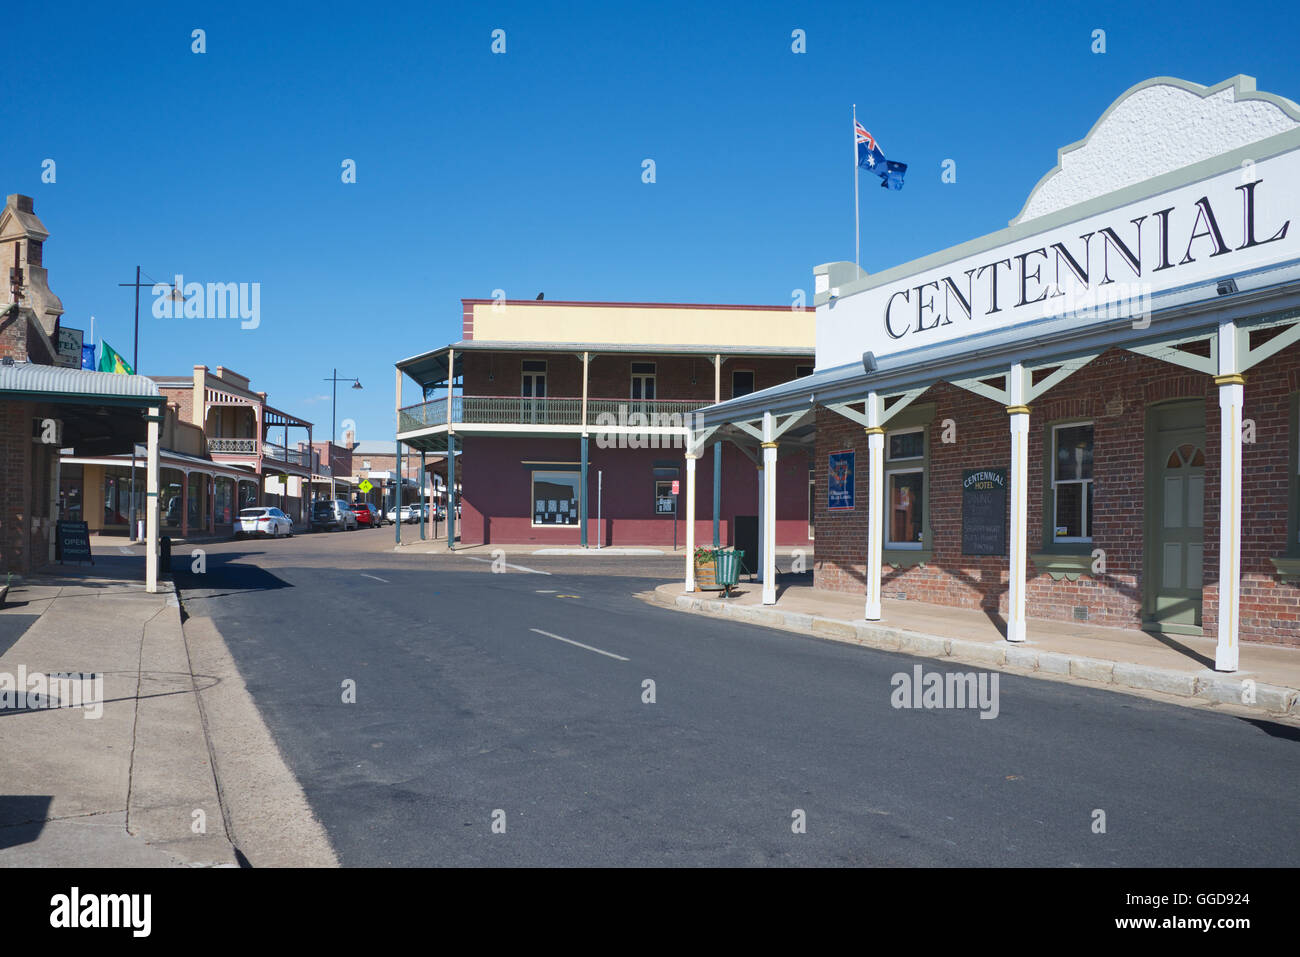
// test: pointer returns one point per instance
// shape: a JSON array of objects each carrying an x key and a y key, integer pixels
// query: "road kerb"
[{"x": 1206, "y": 687}]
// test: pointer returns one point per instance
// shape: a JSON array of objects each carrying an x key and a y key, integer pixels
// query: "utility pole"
[
  {"x": 135, "y": 367},
  {"x": 336, "y": 379}
]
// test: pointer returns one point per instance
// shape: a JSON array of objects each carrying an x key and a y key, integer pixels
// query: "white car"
[
  {"x": 410, "y": 514},
  {"x": 263, "y": 521}
]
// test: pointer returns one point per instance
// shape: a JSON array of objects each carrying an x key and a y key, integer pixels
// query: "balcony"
[
  {"x": 233, "y": 446},
  {"x": 516, "y": 410},
  {"x": 303, "y": 458}
]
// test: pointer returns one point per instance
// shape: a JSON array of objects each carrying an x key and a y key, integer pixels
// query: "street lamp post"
[
  {"x": 336, "y": 379},
  {"x": 177, "y": 296}
]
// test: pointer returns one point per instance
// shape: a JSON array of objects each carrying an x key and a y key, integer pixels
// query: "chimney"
[
  {"x": 22, "y": 232},
  {"x": 349, "y": 438}
]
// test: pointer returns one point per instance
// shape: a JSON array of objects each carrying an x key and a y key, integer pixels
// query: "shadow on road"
[
  {"x": 22, "y": 818},
  {"x": 224, "y": 574}
]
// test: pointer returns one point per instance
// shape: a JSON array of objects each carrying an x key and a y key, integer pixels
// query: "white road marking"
[
  {"x": 125, "y": 551},
  {"x": 518, "y": 568},
  {"x": 376, "y": 578},
  {"x": 546, "y": 591},
  {"x": 607, "y": 654}
]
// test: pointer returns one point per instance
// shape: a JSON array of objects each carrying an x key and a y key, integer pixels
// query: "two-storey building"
[
  {"x": 567, "y": 421},
  {"x": 217, "y": 455}
]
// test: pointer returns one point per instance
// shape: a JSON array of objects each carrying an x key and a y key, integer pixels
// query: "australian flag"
[{"x": 872, "y": 159}]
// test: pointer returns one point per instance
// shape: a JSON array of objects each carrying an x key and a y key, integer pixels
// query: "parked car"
[
  {"x": 367, "y": 515},
  {"x": 330, "y": 514},
  {"x": 263, "y": 521},
  {"x": 410, "y": 514}
]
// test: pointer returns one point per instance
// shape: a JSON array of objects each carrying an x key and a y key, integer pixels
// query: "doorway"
[{"x": 1175, "y": 517}]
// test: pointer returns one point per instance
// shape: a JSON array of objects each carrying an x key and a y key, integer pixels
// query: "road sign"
[
  {"x": 677, "y": 487},
  {"x": 365, "y": 486}
]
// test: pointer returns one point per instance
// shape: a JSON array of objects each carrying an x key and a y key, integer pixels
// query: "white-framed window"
[
  {"x": 532, "y": 381},
  {"x": 643, "y": 380},
  {"x": 365, "y": 464},
  {"x": 1072, "y": 482},
  {"x": 555, "y": 498},
  {"x": 905, "y": 488}
]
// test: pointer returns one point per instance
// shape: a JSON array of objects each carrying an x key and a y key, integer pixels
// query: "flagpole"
[{"x": 857, "y": 241}]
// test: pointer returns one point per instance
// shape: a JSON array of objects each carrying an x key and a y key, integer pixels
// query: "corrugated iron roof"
[{"x": 59, "y": 380}]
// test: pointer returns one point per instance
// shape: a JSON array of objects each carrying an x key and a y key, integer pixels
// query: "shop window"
[
  {"x": 905, "y": 489},
  {"x": 1072, "y": 482},
  {"x": 224, "y": 498},
  {"x": 742, "y": 382},
  {"x": 555, "y": 498},
  {"x": 665, "y": 500}
]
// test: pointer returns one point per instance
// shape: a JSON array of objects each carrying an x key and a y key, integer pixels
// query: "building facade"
[
  {"x": 1089, "y": 415},
  {"x": 47, "y": 407},
  {"x": 215, "y": 458},
  {"x": 568, "y": 420}
]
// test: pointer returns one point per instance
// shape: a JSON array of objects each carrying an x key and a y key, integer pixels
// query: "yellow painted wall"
[
  {"x": 666, "y": 325},
  {"x": 92, "y": 496}
]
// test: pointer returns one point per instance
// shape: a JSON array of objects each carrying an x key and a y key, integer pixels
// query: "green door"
[{"x": 1175, "y": 517}]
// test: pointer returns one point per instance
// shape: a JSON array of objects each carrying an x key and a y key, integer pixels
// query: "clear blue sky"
[{"x": 522, "y": 171}]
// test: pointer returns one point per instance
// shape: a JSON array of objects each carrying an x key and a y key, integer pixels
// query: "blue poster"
[{"x": 839, "y": 480}]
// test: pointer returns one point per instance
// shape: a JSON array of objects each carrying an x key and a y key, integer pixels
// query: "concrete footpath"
[
  {"x": 1173, "y": 668},
  {"x": 118, "y": 770}
]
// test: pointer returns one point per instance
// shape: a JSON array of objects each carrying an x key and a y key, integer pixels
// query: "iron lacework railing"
[
  {"x": 233, "y": 446},
  {"x": 524, "y": 410}
]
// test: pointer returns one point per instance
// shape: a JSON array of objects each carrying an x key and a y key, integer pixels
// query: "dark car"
[
  {"x": 367, "y": 515},
  {"x": 332, "y": 513}
]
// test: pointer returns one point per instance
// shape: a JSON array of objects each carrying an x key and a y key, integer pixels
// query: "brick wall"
[
  {"x": 13, "y": 335},
  {"x": 15, "y": 466},
  {"x": 1114, "y": 392}
]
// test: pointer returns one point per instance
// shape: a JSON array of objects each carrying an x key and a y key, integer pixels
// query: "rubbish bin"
[
  {"x": 727, "y": 563},
  {"x": 165, "y": 554}
]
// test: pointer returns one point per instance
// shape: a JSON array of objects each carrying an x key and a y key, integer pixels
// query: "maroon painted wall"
[{"x": 496, "y": 493}]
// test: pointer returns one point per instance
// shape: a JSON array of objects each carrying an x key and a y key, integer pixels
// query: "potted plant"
[{"x": 706, "y": 569}]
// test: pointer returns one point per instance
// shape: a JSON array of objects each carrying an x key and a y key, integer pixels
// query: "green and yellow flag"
[{"x": 110, "y": 361}]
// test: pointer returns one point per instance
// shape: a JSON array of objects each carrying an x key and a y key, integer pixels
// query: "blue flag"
[
  {"x": 892, "y": 178},
  {"x": 88, "y": 357},
  {"x": 872, "y": 159}
]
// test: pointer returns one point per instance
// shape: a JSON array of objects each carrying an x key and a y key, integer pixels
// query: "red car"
[{"x": 367, "y": 515}]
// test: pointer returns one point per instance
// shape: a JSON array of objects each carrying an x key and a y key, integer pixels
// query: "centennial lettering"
[{"x": 945, "y": 301}]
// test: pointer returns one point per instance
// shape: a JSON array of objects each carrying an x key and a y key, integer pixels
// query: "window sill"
[
  {"x": 1060, "y": 565},
  {"x": 1288, "y": 568},
  {"x": 906, "y": 557}
]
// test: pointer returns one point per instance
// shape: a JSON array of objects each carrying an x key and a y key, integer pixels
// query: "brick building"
[
  {"x": 1092, "y": 414},
  {"x": 46, "y": 408},
  {"x": 569, "y": 420}
]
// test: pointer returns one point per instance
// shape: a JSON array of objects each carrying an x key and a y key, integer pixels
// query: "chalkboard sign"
[
  {"x": 72, "y": 542},
  {"x": 984, "y": 512}
]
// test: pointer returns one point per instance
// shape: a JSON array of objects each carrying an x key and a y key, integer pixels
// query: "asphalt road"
[{"x": 469, "y": 703}]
